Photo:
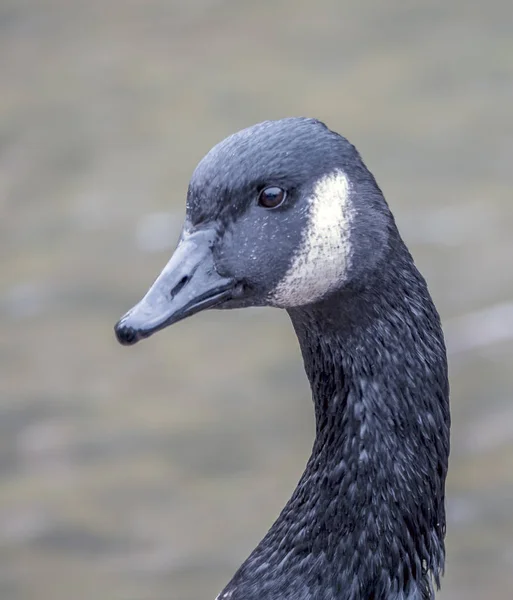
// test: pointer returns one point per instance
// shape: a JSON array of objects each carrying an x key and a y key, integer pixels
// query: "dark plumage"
[{"x": 367, "y": 519}]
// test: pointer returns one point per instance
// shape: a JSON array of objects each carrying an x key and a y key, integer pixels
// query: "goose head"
[
  {"x": 282, "y": 214},
  {"x": 286, "y": 214}
]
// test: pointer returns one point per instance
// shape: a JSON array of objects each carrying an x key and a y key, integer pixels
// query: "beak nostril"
[{"x": 179, "y": 286}]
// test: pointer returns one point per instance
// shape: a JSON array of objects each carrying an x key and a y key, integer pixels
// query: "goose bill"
[{"x": 188, "y": 284}]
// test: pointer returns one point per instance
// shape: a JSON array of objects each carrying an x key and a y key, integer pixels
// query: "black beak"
[{"x": 188, "y": 284}]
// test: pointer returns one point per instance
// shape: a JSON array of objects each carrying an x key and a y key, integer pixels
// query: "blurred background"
[{"x": 151, "y": 472}]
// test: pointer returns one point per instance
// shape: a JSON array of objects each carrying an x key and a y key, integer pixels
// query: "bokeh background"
[{"x": 151, "y": 472}]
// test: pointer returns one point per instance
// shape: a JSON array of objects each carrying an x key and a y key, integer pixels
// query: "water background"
[{"x": 149, "y": 473}]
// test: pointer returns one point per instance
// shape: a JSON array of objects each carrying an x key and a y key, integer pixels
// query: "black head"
[{"x": 283, "y": 213}]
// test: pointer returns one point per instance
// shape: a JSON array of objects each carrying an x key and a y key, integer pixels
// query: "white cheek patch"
[{"x": 322, "y": 259}]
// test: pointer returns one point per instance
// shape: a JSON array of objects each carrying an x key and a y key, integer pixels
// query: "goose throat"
[{"x": 367, "y": 518}]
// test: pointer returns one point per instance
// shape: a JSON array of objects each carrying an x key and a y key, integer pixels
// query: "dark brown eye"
[{"x": 271, "y": 197}]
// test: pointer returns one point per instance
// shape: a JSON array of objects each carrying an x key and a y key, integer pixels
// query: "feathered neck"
[{"x": 367, "y": 519}]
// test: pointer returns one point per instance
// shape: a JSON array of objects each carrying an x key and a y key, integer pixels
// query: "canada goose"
[{"x": 286, "y": 214}]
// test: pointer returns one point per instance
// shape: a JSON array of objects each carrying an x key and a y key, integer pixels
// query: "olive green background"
[{"x": 151, "y": 472}]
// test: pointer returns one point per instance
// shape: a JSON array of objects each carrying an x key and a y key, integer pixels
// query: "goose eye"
[{"x": 271, "y": 197}]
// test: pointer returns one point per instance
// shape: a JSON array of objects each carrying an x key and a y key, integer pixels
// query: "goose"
[{"x": 286, "y": 214}]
